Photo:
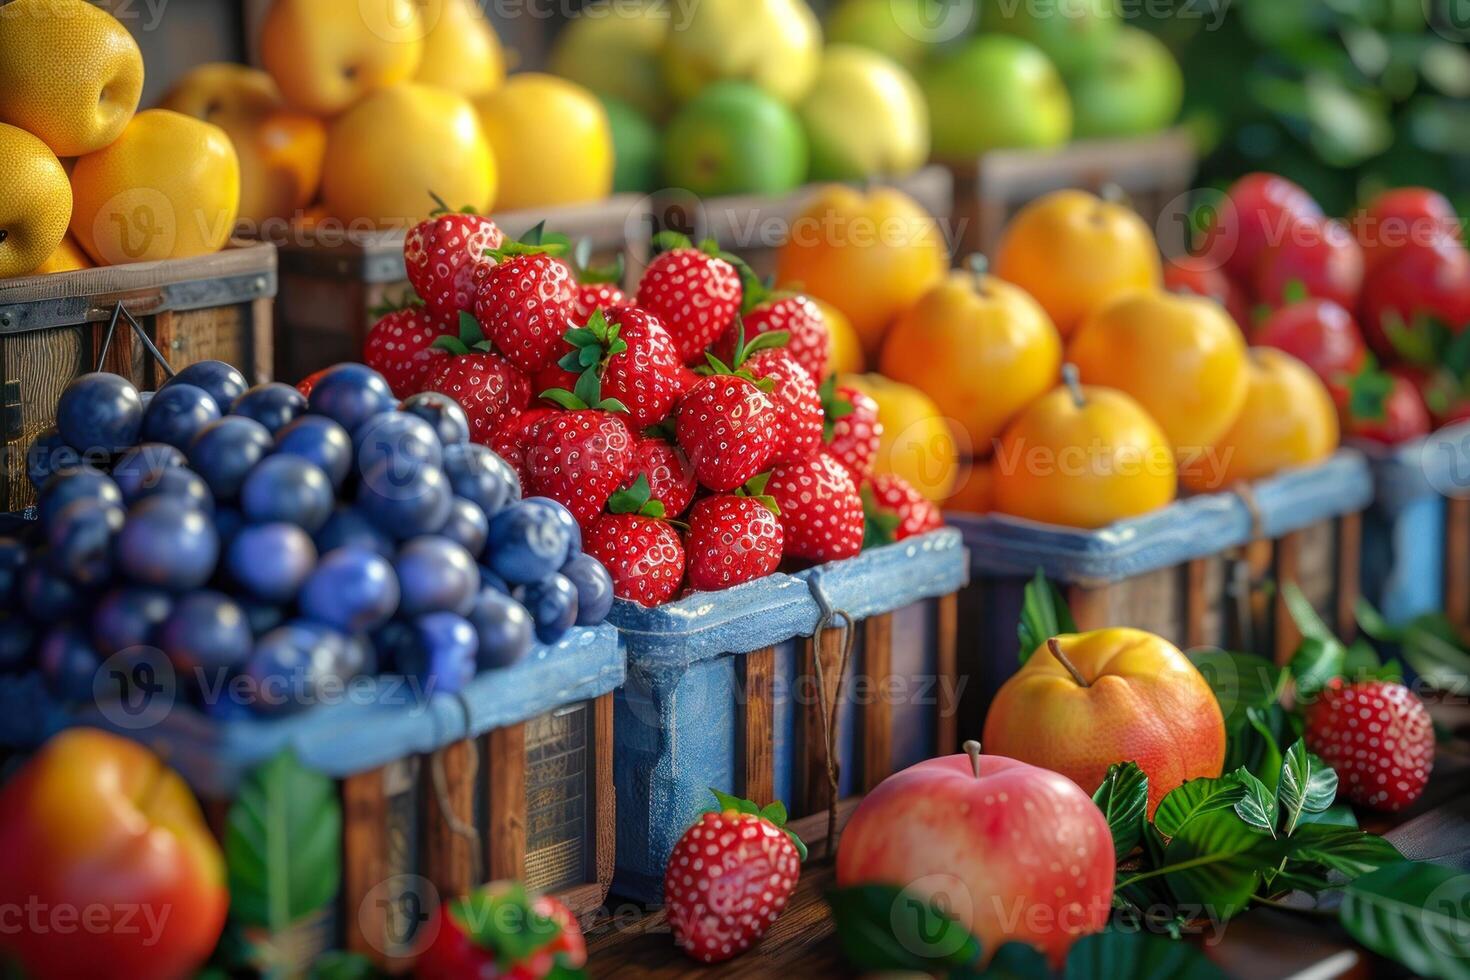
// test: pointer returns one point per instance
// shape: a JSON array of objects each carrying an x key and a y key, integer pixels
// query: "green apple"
[
  {"x": 775, "y": 44},
  {"x": 1137, "y": 89},
  {"x": 865, "y": 117},
  {"x": 995, "y": 91},
  {"x": 896, "y": 28},
  {"x": 635, "y": 147},
  {"x": 613, "y": 47},
  {"x": 734, "y": 138},
  {"x": 1074, "y": 34}
]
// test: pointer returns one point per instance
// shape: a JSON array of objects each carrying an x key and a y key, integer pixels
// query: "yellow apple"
[
  {"x": 552, "y": 142},
  {"x": 856, "y": 83},
  {"x": 777, "y": 44},
  {"x": 613, "y": 48},
  {"x": 35, "y": 202},
  {"x": 461, "y": 50},
  {"x": 328, "y": 54}
]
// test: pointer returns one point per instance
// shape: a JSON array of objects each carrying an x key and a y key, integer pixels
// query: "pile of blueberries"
[{"x": 281, "y": 542}]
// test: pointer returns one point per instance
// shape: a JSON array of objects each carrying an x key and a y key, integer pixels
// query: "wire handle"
[
  {"x": 829, "y": 711},
  {"x": 119, "y": 312}
]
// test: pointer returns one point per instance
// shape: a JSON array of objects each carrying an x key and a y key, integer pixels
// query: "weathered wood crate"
[
  {"x": 333, "y": 278},
  {"x": 735, "y": 690},
  {"x": 1202, "y": 572},
  {"x": 1154, "y": 173},
  {"x": 53, "y": 328}
]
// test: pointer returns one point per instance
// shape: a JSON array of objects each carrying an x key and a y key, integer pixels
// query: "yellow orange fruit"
[
  {"x": 774, "y": 44},
  {"x": 982, "y": 348},
  {"x": 845, "y": 350},
  {"x": 68, "y": 257},
  {"x": 386, "y": 154},
  {"x": 328, "y": 54},
  {"x": 917, "y": 443},
  {"x": 974, "y": 490},
  {"x": 168, "y": 188},
  {"x": 552, "y": 142},
  {"x": 1084, "y": 464},
  {"x": 35, "y": 202},
  {"x": 614, "y": 48},
  {"x": 70, "y": 74},
  {"x": 461, "y": 50},
  {"x": 1075, "y": 252},
  {"x": 872, "y": 255},
  {"x": 1287, "y": 420}
]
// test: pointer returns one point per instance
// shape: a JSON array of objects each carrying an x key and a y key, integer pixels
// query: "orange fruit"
[
  {"x": 35, "y": 202},
  {"x": 326, "y": 55},
  {"x": 845, "y": 351},
  {"x": 68, "y": 257},
  {"x": 871, "y": 255},
  {"x": 552, "y": 142},
  {"x": 1083, "y": 458},
  {"x": 1181, "y": 356},
  {"x": 982, "y": 348},
  {"x": 1076, "y": 252},
  {"x": 917, "y": 444},
  {"x": 974, "y": 491},
  {"x": 1288, "y": 420}
]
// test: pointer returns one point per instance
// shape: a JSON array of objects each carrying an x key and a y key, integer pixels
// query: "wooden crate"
[
  {"x": 52, "y": 329},
  {"x": 332, "y": 279},
  {"x": 1153, "y": 173}
]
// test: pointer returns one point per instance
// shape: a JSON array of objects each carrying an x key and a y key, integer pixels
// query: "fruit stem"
[
  {"x": 1056, "y": 651},
  {"x": 978, "y": 264},
  {"x": 972, "y": 747},
  {"x": 1073, "y": 381}
]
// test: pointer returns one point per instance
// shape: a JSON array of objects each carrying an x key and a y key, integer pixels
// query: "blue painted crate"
[
  {"x": 722, "y": 692},
  {"x": 1199, "y": 572},
  {"x": 1416, "y": 536}
]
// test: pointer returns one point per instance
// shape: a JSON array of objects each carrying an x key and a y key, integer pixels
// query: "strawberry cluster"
[{"x": 687, "y": 427}]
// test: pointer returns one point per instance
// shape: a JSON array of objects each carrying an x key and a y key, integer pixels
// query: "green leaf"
[
  {"x": 1308, "y": 785},
  {"x": 884, "y": 927},
  {"x": 1432, "y": 648},
  {"x": 589, "y": 387},
  {"x": 1257, "y": 745},
  {"x": 1216, "y": 860},
  {"x": 1123, "y": 799},
  {"x": 1112, "y": 953},
  {"x": 668, "y": 241},
  {"x": 470, "y": 332},
  {"x": 1012, "y": 961},
  {"x": 564, "y": 398},
  {"x": 1240, "y": 681},
  {"x": 1316, "y": 662},
  {"x": 1196, "y": 798},
  {"x": 283, "y": 843},
  {"x": 1417, "y": 914},
  {"x": 1337, "y": 815},
  {"x": 1258, "y": 806},
  {"x": 1371, "y": 621},
  {"x": 1044, "y": 614},
  {"x": 454, "y": 345},
  {"x": 502, "y": 918},
  {"x": 727, "y": 801},
  {"x": 1304, "y": 615},
  {"x": 1347, "y": 850},
  {"x": 775, "y": 812},
  {"x": 339, "y": 965}
]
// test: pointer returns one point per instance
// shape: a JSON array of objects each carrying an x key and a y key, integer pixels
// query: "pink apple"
[{"x": 1014, "y": 852}]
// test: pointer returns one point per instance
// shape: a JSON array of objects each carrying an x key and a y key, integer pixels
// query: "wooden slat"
[
  {"x": 1349, "y": 573},
  {"x": 877, "y": 717},
  {"x": 1197, "y": 601},
  {"x": 1457, "y": 560},
  {"x": 448, "y": 855},
  {"x": 946, "y": 638},
  {"x": 755, "y": 725},
  {"x": 1090, "y": 606},
  {"x": 811, "y": 754},
  {"x": 365, "y": 863},
  {"x": 505, "y": 802},
  {"x": 1288, "y": 560},
  {"x": 262, "y": 335},
  {"x": 604, "y": 809}
]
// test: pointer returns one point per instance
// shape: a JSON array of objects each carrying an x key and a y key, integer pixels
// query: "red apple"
[
  {"x": 1320, "y": 334},
  {"x": 1194, "y": 275},
  {"x": 1017, "y": 852},
  {"x": 1414, "y": 284},
  {"x": 1257, "y": 213},
  {"x": 1403, "y": 216},
  {"x": 1321, "y": 255}
]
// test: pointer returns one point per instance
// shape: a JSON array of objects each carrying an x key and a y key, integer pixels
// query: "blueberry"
[
  {"x": 480, "y": 476},
  {"x": 564, "y": 517},
  {"x": 263, "y": 616},
  {"x": 273, "y": 405},
  {"x": 12, "y": 563},
  {"x": 48, "y": 455},
  {"x": 442, "y": 656},
  {"x": 69, "y": 486},
  {"x": 406, "y": 440},
  {"x": 318, "y": 440},
  {"x": 17, "y": 637},
  {"x": 271, "y": 561},
  {"x": 222, "y": 381},
  {"x": 528, "y": 543},
  {"x": 504, "y": 628},
  {"x": 394, "y": 642},
  {"x": 287, "y": 489},
  {"x": 206, "y": 632},
  {"x": 443, "y": 413},
  {"x": 100, "y": 410},
  {"x": 489, "y": 580},
  {"x": 80, "y": 540},
  {"x": 350, "y": 394},
  {"x": 141, "y": 466},
  {"x": 552, "y": 604},
  {"x": 129, "y": 617},
  {"x": 352, "y": 589},
  {"x": 467, "y": 526},
  {"x": 68, "y": 664},
  {"x": 183, "y": 486},
  {"x": 226, "y": 709},
  {"x": 435, "y": 575},
  {"x": 405, "y": 504},
  {"x": 294, "y": 665},
  {"x": 167, "y": 546},
  {"x": 177, "y": 413},
  {"x": 594, "y": 588},
  {"x": 347, "y": 526},
  {"x": 225, "y": 451},
  {"x": 227, "y": 522},
  {"x": 47, "y": 595}
]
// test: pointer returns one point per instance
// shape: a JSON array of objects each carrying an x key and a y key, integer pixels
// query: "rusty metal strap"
[{"x": 829, "y": 711}]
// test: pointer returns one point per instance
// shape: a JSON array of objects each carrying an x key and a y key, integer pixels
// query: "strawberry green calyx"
[
  {"x": 880, "y": 526},
  {"x": 471, "y": 339},
  {"x": 834, "y": 406},
  {"x": 774, "y": 812},
  {"x": 636, "y": 499},
  {"x": 756, "y": 490},
  {"x": 588, "y": 274},
  {"x": 743, "y": 353},
  {"x": 1368, "y": 392},
  {"x": 442, "y": 208},
  {"x": 1295, "y": 291},
  {"x": 593, "y": 345},
  {"x": 586, "y": 396},
  {"x": 406, "y": 300},
  {"x": 505, "y": 922},
  {"x": 537, "y": 241}
]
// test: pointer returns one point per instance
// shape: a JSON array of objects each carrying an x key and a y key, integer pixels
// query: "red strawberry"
[
  {"x": 642, "y": 554},
  {"x": 579, "y": 457},
  {"x": 695, "y": 294},
  {"x": 728, "y": 879},
  {"x": 799, "y": 422},
  {"x": 1379, "y": 738},
  {"x": 594, "y": 296},
  {"x": 799, "y": 318},
  {"x": 509, "y": 440},
  {"x": 728, "y": 428},
  {"x": 525, "y": 305},
  {"x": 636, "y": 358},
  {"x": 853, "y": 431},
  {"x": 670, "y": 477},
  {"x": 821, "y": 512},
  {"x": 732, "y": 540},
  {"x": 443, "y": 254},
  {"x": 895, "y": 510},
  {"x": 309, "y": 382},
  {"x": 487, "y": 386},
  {"x": 401, "y": 348}
]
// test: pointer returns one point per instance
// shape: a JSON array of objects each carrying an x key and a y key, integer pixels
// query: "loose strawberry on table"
[
  {"x": 695, "y": 293},
  {"x": 500, "y": 930},
  {"x": 821, "y": 512},
  {"x": 733, "y": 539},
  {"x": 443, "y": 255},
  {"x": 1379, "y": 738}
]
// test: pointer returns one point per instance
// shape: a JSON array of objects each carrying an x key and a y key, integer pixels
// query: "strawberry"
[
  {"x": 792, "y": 314},
  {"x": 309, "y": 382},
  {"x": 509, "y": 439},
  {"x": 799, "y": 422},
  {"x": 579, "y": 457},
  {"x": 636, "y": 358},
  {"x": 853, "y": 432},
  {"x": 821, "y": 512},
  {"x": 1379, "y": 738},
  {"x": 593, "y": 296},
  {"x": 670, "y": 477},
  {"x": 729, "y": 877},
  {"x": 695, "y": 293},
  {"x": 501, "y": 930},
  {"x": 733, "y": 539},
  {"x": 727, "y": 423},
  {"x": 400, "y": 347},
  {"x": 894, "y": 510},
  {"x": 487, "y": 386},
  {"x": 443, "y": 255},
  {"x": 526, "y": 303},
  {"x": 642, "y": 554}
]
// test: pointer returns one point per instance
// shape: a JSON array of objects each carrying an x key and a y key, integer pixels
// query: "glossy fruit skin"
[
  {"x": 941, "y": 830},
  {"x": 1181, "y": 357},
  {"x": 1145, "y": 702},
  {"x": 435, "y": 575},
  {"x": 321, "y": 441},
  {"x": 407, "y": 440},
  {"x": 528, "y": 543},
  {"x": 671, "y": 479},
  {"x": 71, "y": 485},
  {"x": 1258, "y": 211},
  {"x": 442, "y": 655},
  {"x": 541, "y": 165},
  {"x": 80, "y": 541},
  {"x": 271, "y": 561},
  {"x": 1123, "y": 464},
  {"x": 100, "y": 411},
  {"x": 400, "y": 347},
  {"x": 728, "y": 879},
  {"x": 348, "y": 526},
  {"x": 308, "y": 48},
  {"x": 800, "y": 317},
  {"x": 1288, "y": 420},
  {"x": 798, "y": 405},
  {"x": 352, "y": 590},
  {"x": 644, "y": 557},
  {"x": 177, "y": 413},
  {"x": 695, "y": 296},
  {"x": 578, "y": 459},
  {"x": 856, "y": 435},
  {"x": 981, "y": 348},
  {"x": 1401, "y": 217},
  {"x": 443, "y": 254},
  {"x": 856, "y": 82},
  {"x": 405, "y": 501},
  {"x": 443, "y": 414},
  {"x": 594, "y": 296},
  {"x": 524, "y": 305},
  {"x": 182, "y": 485},
  {"x": 224, "y": 452},
  {"x": 774, "y": 43},
  {"x": 205, "y": 636},
  {"x": 504, "y": 627},
  {"x": 1026, "y": 103},
  {"x": 350, "y": 394},
  {"x": 48, "y": 455},
  {"x": 142, "y": 465},
  {"x": 728, "y": 428},
  {"x": 731, "y": 540},
  {"x": 645, "y": 377},
  {"x": 821, "y": 512},
  {"x": 1191, "y": 274},
  {"x": 1404, "y": 416},
  {"x": 35, "y": 206},
  {"x": 287, "y": 489},
  {"x": 1319, "y": 333},
  {"x": 914, "y": 440},
  {"x": 594, "y": 588},
  {"x": 129, "y": 617},
  {"x": 1379, "y": 738},
  {"x": 490, "y": 389},
  {"x": 1321, "y": 255},
  {"x": 1075, "y": 253},
  {"x": 273, "y": 405},
  {"x": 295, "y": 663},
  {"x": 733, "y": 138},
  {"x": 467, "y": 527},
  {"x": 167, "y": 547},
  {"x": 916, "y": 515},
  {"x": 223, "y": 381},
  {"x": 479, "y": 475},
  {"x": 1414, "y": 283},
  {"x": 96, "y": 818},
  {"x": 552, "y": 604}
]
